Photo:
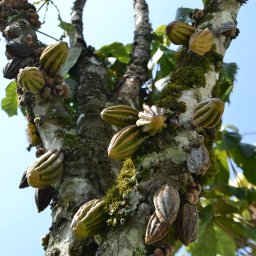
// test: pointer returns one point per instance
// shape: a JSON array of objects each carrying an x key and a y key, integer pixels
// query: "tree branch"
[
  {"x": 77, "y": 21},
  {"x": 136, "y": 73}
]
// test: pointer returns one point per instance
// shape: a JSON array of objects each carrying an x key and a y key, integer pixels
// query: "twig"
[
  {"x": 46, "y": 1},
  {"x": 47, "y": 35}
]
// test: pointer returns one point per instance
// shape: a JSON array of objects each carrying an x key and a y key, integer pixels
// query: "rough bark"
[{"x": 88, "y": 173}]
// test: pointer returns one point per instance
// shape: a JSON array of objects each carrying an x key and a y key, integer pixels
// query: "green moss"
[
  {"x": 115, "y": 203},
  {"x": 139, "y": 252}
]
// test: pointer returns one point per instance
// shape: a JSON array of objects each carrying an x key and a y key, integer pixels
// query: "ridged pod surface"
[
  {"x": 156, "y": 230},
  {"x": 46, "y": 170},
  {"x": 186, "y": 224},
  {"x": 125, "y": 142},
  {"x": 31, "y": 79},
  {"x": 179, "y": 32},
  {"x": 167, "y": 203},
  {"x": 53, "y": 57},
  {"x": 207, "y": 114},
  {"x": 89, "y": 220},
  {"x": 201, "y": 42},
  {"x": 152, "y": 119},
  {"x": 120, "y": 115},
  {"x": 198, "y": 160}
]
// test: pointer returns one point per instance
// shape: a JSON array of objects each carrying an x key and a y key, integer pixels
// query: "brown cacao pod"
[
  {"x": 201, "y": 42},
  {"x": 53, "y": 57},
  {"x": 186, "y": 224},
  {"x": 156, "y": 230},
  {"x": 167, "y": 203},
  {"x": 89, "y": 220},
  {"x": 11, "y": 69},
  {"x": 198, "y": 160},
  {"x": 31, "y": 79},
  {"x": 120, "y": 115},
  {"x": 179, "y": 32},
  {"x": 46, "y": 170},
  {"x": 17, "y": 50},
  {"x": 207, "y": 114},
  {"x": 126, "y": 142},
  {"x": 43, "y": 197}
]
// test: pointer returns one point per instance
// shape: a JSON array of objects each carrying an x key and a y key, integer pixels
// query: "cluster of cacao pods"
[
  {"x": 169, "y": 211},
  {"x": 89, "y": 220},
  {"x": 131, "y": 136},
  {"x": 198, "y": 41}
]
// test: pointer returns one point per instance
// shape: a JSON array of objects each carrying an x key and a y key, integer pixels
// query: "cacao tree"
[{"x": 132, "y": 155}]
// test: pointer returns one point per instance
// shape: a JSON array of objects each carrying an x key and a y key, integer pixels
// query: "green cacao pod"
[
  {"x": 156, "y": 230},
  {"x": 179, "y": 32},
  {"x": 186, "y": 224},
  {"x": 53, "y": 57},
  {"x": 201, "y": 42},
  {"x": 89, "y": 220},
  {"x": 31, "y": 79},
  {"x": 125, "y": 142},
  {"x": 167, "y": 203},
  {"x": 46, "y": 170},
  {"x": 120, "y": 115},
  {"x": 207, "y": 114}
]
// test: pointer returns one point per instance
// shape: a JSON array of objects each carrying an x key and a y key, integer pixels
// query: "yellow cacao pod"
[
  {"x": 201, "y": 42},
  {"x": 179, "y": 32},
  {"x": 126, "y": 142},
  {"x": 46, "y": 170},
  {"x": 207, "y": 114},
  {"x": 31, "y": 79},
  {"x": 53, "y": 57},
  {"x": 89, "y": 220},
  {"x": 120, "y": 115}
]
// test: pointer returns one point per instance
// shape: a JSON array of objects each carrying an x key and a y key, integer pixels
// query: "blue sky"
[{"x": 105, "y": 22}]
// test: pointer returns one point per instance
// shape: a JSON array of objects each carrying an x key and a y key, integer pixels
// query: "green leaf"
[
  {"x": 160, "y": 35},
  {"x": 222, "y": 164},
  {"x": 73, "y": 55},
  {"x": 10, "y": 102},
  {"x": 183, "y": 14},
  {"x": 229, "y": 140},
  {"x": 224, "y": 206},
  {"x": 206, "y": 239},
  {"x": 68, "y": 29},
  {"x": 225, "y": 245}
]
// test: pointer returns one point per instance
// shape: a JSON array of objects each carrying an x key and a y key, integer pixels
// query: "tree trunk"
[{"x": 84, "y": 137}]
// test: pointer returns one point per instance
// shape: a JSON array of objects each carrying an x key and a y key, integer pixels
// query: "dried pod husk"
[
  {"x": 179, "y": 32},
  {"x": 198, "y": 160},
  {"x": 89, "y": 220},
  {"x": 31, "y": 79},
  {"x": 156, "y": 230},
  {"x": 125, "y": 142},
  {"x": 207, "y": 114},
  {"x": 43, "y": 197},
  {"x": 167, "y": 203},
  {"x": 186, "y": 224},
  {"x": 201, "y": 42},
  {"x": 46, "y": 170},
  {"x": 53, "y": 57},
  {"x": 11, "y": 69},
  {"x": 17, "y": 50},
  {"x": 24, "y": 181},
  {"x": 152, "y": 119},
  {"x": 120, "y": 115}
]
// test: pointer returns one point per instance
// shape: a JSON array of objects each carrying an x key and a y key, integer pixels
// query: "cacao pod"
[
  {"x": 31, "y": 79},
  {"x": 201, "y": 42},
  {"x": 152, "y": 119},
  {"x": 167, "y": 203},
  {"x": 198, "y": 160},
  {"x": 186, "y": 224},
  {"x": 156, "y": 230},
  {"x": 179, "y": 32},
  {"x": 43, "y": 197},
  {"x": 125, "y": 142},
  {"x": 46, "y": 170},
  {"x": 207, "y": 114},
  {"x": 24, "y": 181},
  {"x": 11, "y": 69},
  {"x": 120, "y": 115},
  {"x": 17, "y": 50},
  {"x": 89, "y": 220},
  {"x": 53, "y": 57}
]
